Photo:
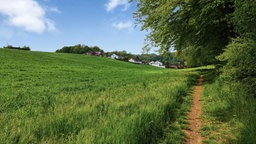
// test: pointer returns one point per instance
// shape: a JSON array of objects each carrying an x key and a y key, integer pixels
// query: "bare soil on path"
[{"x": 193, "y": 134}]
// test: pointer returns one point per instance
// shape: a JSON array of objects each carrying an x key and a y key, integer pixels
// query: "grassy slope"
[{"x": 50, "y": 97}]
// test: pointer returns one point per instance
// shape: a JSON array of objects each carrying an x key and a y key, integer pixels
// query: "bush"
[{"x": 240, "y": 57}]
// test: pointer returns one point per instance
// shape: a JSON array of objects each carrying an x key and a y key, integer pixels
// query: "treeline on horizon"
[
  {"x": 17, "y": 48},
  {"x": 79, "y": 49},
  {"x": 167, "y": 58}
]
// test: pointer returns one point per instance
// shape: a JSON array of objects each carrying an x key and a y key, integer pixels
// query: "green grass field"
[{"x": 67, "y": 98}]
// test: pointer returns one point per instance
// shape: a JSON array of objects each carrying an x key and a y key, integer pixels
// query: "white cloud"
[
  {"x": 123, "y": 25},
  {"x": 54, "y": 9},
  {"x": 112, "y": 4},
  {"x": 26, "y": 14},
  {"x": 50, "y": 25}
]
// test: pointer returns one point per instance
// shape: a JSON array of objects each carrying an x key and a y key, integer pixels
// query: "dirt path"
[{"x": 194, "y": 120}]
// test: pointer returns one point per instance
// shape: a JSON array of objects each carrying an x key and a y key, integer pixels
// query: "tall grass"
[
  {"x": 244, "y": 108},
  {"x": 66, "y": 98},
  {"x": 228, "y": 113}
]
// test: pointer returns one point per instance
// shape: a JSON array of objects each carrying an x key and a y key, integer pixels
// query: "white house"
[
  {"x": 157, "y": 64},
  {"x": 114, "y": 56},
  {"x": 131, "y": 60}
]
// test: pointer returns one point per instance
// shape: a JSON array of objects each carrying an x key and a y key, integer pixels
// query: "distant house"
[
  {"x": 173, "y": 66},
  {"x": 97, "y": 53},
  {"x": 177, "y": 66},
  {"x": 90, "y": 53},
  {"x": 180, "y": 65},
  {"x": 114, "y": 56},
  {"x": 157, "y": 64},
  {"x": 131, "y": 60}
]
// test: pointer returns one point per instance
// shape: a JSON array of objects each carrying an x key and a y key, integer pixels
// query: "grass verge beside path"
[
  {"x": 217, "y": 125},
  {"x": 173, "y": 130},
  {"x": 228, "y": 114}
]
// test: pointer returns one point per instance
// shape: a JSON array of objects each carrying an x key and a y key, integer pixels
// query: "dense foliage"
[
  {"x": 199, "y": 30},
  {"x": 240, "y": 67},
  {"x": 17, "y": 48},
  {"x": 240, "y": 55},
  {"x": 216, "y": 31},
  {"x": 244, "y": 18},
  {"x": 79, "y": 49}
]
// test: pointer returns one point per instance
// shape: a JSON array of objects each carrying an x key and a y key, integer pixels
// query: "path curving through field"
[{"x": 193, "y": 134}]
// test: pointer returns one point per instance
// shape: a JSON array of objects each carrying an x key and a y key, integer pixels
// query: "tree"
[
  {"x": 198, "y": 25},
  {"x": 79, "y": 49},
  {"x": 244, "y": 18},
  {"x": 240, "y": 55},
  {"x": 27, "y": 48}
]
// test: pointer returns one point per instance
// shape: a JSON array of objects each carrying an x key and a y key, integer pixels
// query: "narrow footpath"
[{"x": 193, "y": 134}]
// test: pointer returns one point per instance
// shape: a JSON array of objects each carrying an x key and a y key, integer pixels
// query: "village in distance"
[{"x": 162, "y": 61}]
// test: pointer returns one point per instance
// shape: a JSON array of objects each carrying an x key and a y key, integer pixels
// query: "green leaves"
[
  {"x": 244, "y": 18},
  {"x": 240, "y": 56},
  {"x": 203, "y": 25}
]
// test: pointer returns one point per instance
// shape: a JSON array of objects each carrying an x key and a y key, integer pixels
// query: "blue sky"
[{"x": 48, "y": 25}]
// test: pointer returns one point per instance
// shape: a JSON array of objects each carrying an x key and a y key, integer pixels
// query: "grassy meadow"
[{"x": 68, "y": 98}]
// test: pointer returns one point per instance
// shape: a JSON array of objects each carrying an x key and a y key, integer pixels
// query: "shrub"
[{"x": 240, "y": 57}]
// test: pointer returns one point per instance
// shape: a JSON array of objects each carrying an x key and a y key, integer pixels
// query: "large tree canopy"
[
  {"x": 240, "y": 55},
  {"x": 198, "y": 29}
]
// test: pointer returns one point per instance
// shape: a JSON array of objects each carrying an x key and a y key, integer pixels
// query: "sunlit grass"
[{"x": 66, "y": 98}]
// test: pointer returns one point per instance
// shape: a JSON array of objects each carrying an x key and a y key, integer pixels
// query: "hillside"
[{"x": 65, "y": 98}]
